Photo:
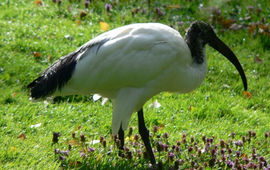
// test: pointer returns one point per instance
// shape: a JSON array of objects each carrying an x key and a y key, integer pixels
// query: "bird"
[{"x": 131, "y": 64}]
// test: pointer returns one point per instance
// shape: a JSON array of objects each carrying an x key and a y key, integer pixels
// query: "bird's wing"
[{"x": 130, "y": 56}]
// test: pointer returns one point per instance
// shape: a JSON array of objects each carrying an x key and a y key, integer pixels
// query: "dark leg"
[
  {"x": 145, "y": 137},
  {"x": 121, "y": 138}
]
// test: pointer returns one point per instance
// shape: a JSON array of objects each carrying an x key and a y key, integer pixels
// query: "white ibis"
[{"x": 130, "y": 65}]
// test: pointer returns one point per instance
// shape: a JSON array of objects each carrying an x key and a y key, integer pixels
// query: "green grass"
[{"x": 216, "y": 108}]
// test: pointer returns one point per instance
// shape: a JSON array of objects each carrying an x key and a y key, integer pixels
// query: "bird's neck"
[{"x": 196, "y": 46}]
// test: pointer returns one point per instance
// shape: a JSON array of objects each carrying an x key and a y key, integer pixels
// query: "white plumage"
[
  {"x": 133, "y": 63},
  {"x": 136, "y": 62}
]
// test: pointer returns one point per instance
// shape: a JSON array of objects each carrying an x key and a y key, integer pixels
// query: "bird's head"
[{"x": 204, "y": 32}]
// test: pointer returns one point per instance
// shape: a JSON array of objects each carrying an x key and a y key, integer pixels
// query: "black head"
[{"x": 199, "y": 34}]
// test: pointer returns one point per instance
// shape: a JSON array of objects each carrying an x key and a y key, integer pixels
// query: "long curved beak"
[{"x": 221, "y": 47}]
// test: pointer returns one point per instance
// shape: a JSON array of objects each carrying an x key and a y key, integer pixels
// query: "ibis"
[{"x": 131, "y": 64}]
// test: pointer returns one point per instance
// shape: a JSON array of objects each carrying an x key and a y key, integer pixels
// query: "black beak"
[{"x": 221, "y": 47}]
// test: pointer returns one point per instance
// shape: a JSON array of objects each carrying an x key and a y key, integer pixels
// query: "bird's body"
[{"x": 130, "y": 65}]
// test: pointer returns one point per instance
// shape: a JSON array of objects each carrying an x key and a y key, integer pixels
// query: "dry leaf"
[
  {"x": 244, "y": 156},
  {"x": 258, "y": 60},
  {"x": 14, "y": 94},
  {"x": 74, "y": 163},
  {"x": 174, "y": 6},
  {"x": 247, "y": 94},
  {"x": 83, "y": 14},
  {"x": 98, "y": 158},
  {"x": 251, "y": 29},
  {"x": 104, "y": 26},
  {"x": 22, "y": 136},
  {"x": 38, "y": 2},
  {"x": 73, "y": 142},
  {"x": 36, "y": 54},
  {"x": 78, "y": 22},
  {"x": 226, "y": 23}
]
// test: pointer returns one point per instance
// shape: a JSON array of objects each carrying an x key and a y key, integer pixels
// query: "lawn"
[{"x": 217, "y": 126}]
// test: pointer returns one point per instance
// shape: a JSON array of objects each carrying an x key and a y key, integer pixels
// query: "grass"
[{"x": 35, "y": 33}]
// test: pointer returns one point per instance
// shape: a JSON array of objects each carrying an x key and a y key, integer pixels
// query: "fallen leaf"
[
  {"x": 78, "y": 22},
  {"x": 161, "y": 126},
  {"x": 98, "y": 158},
  {"x": 36, "y": 54},
  {"x": 74, "y": 163},
  {"x": 258, "y": 60},
  {"x": 247, "y": 94},
  {"x": 104, "y": 26},
  {"x": 38, "y": 2},
  {"x": 251, "y": 29},
  {"x": 226, "y": 23},
  {"x": 173, "y": 6},
  {"x": 83, "y": 14},
  {"x": 22, "y": 136},
  {"x": 36, "y": 125},
  {"x": 244, "y": 156},
  {"x": 73, "y": 142}
]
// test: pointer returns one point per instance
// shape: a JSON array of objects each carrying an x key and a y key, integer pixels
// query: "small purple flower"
[
  {"x": 56, "y": 151},
  {"x": 230, "y": 164},
  {"x": 223, "y": 158},
  {"x": 86, "y": 4},
  {"x": 82, "y": 137},
  {"x": 180, "y": 23},
  {"x": 233, "y": 134},
  {"x": 155, "y": 129},
  {"x": 159, "y": 12},
  {"x": 177, "y": 149},
  {"x": 65, "y": 153},
  {"x": 143, "y": 11},
  {"x": 139, "y": 152},
  {"x": 213, "y": 152},
  {"x": 129, "y": 155},
  {"x": 222, "y": 151},
  {"x": 83, "y": 155},
  {"x": 55, "y": 137},
  {"x": 238, "y": 153},
  {"x": 190, "y": 149},
  {"x": 108, "y": 7},
  {"x": 222, "y": 143},
  {"x": 104, "y": 143},
  {"x": 171, "y": 156},
  {"x": 239, "y": 143},
  {"x": 207, "y": 146},
  {"x": 62, "y": 158},
  {"x": 246, "y": 160},
  {"x": 136, "y": 137},
  {"x": 166, "y": 147},
  {"x": 89, "y": 149},
  {"x": 166, "y": 135}
]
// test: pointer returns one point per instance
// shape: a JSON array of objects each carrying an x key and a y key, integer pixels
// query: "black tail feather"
[{"x": 55, "y": 77}]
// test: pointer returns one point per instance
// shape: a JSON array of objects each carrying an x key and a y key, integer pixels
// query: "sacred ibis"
[{"x": 130, "y": 65}]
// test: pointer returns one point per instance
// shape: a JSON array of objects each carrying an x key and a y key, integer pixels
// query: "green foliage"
[{"x": 34, "y": 34}]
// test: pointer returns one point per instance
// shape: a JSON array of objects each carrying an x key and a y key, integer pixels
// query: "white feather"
[{"x": 135, "y": 63}]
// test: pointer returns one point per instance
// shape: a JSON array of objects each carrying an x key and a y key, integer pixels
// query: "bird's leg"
[
  {"x": 144, "y": 132},
  {"x": 121, "y": 138}
]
